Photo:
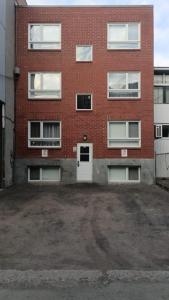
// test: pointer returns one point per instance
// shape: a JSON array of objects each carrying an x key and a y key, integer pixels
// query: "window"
[
  {"x": 124, "y": 174},
  {"x": 83, "y": 102},
  {"x": 162, "y": 131},
  {"x": 44, "y": 174},
  {"x": 44, "y": 36},
  {"x": 123, "y": 36},
  {"x": 44, "y": 134},
  {"x": 124, "y": 134},
  {"x": 123, "y": 85},
  {"x": 44, "y": 85},
  {"x": 84, "y": 53}
]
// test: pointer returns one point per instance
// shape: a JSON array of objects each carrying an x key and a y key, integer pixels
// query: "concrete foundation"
[{"x": 100, "y": 168}]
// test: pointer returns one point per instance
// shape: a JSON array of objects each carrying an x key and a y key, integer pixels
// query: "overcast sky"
[{"x": 161, "y": 14}]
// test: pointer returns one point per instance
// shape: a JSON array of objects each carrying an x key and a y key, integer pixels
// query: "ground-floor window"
[
  {"x": 45, "y": 174},
  {"x": 124, "y": 174}
]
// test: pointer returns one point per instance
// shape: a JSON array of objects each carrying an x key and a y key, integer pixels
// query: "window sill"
[
  {"x": 44, "y": 50},
  {"x": 85, "y": 110},
  {"x": 44, "y": 147},
  {"x": 126, "y": 147},
  {"x": 125, "y": 49},
  {"x": 44, "y": 99},
  {"x": 123, "y": 99},
  {"x": 83, "y": 61}
]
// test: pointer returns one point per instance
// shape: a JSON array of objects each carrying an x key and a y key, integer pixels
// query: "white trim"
[
  {"x": 127, "y": 174},
  {"x": 41, "y": 171},
  {"x": 127, "y": 41},
  {"x": 91, "y": 46},
  {"x": 41, "y": 135},
  {"x": 46, "y": 42},
  {"x": 125, "y": 90},
  {"x": 127, "y": 139},
  {"x": 78, "y": 109},
  {"x": 41, "y": 98}
]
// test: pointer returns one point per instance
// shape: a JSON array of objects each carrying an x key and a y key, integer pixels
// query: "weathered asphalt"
[
  {"x": 84, "y": 227},
  {"x": 84, "y": 285}
]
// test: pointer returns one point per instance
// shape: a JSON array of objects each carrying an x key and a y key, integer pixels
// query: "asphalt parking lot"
[{"x": 84, "y": 227}]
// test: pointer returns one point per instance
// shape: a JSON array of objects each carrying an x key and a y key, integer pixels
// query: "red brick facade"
[{"x": 86, "y": 25}]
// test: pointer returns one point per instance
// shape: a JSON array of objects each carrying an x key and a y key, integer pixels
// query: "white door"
[{"x": 84, "y": 162}]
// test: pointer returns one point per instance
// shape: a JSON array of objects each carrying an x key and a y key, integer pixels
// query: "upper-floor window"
[
  {"x": 44, "y": 85},
  {"x": 124, "y": 134},
  {"x": 123, "y": 85},
  {"x": 161, "y": 89},
  {"x": 161, "y": 95},
  {"x": 162, "y": 131},
  {"x": 83, "y": 102},
  {"x": 44, "y": 36},
  {"x": 44, "y": 134},
  {"x": 84, "y": 53},
  {"x": 123, "y": 36}
]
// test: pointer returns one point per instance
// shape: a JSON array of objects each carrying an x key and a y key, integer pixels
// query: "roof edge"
[{"x": 87, "y": 6}]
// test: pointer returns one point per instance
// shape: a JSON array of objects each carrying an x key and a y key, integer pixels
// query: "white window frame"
[
  {"x": 87, "y": 94},
  {"x": 124, "y": 139},
  {"x": 41, "y": 170},
  {"x": 160, "y": 128},
  {"x": 124, "y": 23},
  {"x": 41, "y": 138},
  {"x": 130, "y": 90},
  {"x": 85, "y": 61},
  {"x": 127, "y": 174},
  {"x": 43, "y": 97},
  {"x": 42, "y": 42}
]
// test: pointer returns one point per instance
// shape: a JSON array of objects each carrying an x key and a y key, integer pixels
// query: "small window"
[
  {"x": 123, "y": 85},
  {"x": 123, "y": 36},
  {"x": 123, "y": 174},
  {"x": 84, "y": 53},
  {"x": 44, "y": 85},
  {"x": 124, "y": 134},
  {"x": 162, "y": 131},
  {"x": 44, "y": 36},
  {"x": 46, "y": 174},
  {"x": 83, "y": 102},
  {"x": 44, "y": 134}
]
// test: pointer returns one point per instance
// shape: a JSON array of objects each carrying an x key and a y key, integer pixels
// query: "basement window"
[
  {"x": 44, "y": 174},
  {"x": 83, "y": 102},
  {"x": 44, "y": 36},
  {"x": 123, "y": 174},
  {"x": 44, "y": 134}
]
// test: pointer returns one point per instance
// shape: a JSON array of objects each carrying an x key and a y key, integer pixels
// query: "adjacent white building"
[{"x": 161, "y": 121}]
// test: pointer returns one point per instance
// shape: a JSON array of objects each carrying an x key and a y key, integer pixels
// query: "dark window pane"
[
  {"x": 83, "y": 101},
  {"x": 84, "y": 149},
  {"x": 34, "y": 173},
  {"x": 165, "y": 131},
  {"x": 84, "y": 157},
  {"x": 35, "y": 129},
  {"x": 133, "y": 173},
  {"x": 133, "y": 130}
]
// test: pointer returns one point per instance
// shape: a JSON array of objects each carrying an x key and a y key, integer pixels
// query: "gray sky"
[{"x": 161, "y": 21}]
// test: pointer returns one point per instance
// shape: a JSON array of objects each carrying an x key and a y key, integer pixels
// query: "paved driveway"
[{"x": 84, "y": 227}]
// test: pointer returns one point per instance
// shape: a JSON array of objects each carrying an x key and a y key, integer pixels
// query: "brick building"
[{"x": 84, "y": 98}]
